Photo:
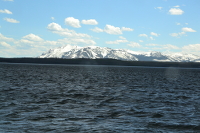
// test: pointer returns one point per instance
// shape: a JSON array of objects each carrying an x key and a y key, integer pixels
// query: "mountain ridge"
[{"x": 96, "y": 52}]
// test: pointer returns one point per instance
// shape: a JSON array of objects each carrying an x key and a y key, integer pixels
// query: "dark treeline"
[{"x": 100, "y": 62}]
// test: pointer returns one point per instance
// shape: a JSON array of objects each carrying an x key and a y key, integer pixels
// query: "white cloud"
[
  {"x": 112, "y": 30},
  {"x": 116, "y": 41},
  {"x": 27, "y": 46},
  {"x": 33, "y": 37},
  {"x": 134, "y": 44},
  {"x": 161, "y": 47},
  {"x": 126, "y": 29},
  {"x": 96, "y": 29},
  {"x": 186, "y": 29},
  {"x": 176, "y": 11},
  {"x": 181, "y": 33},
  {"x": 51, "y": 42},
  {"x": 4, "y": 44},
  {"x": 54, "y": 27},
  {"x": 177, "y": 6},
  {"x": 11, "y": 20},
  {"x": 154, "y": 34},
  {"x": 143, "y": 35},
  {"x": 160, "y": 8},
  {"x": 72, "y": 22},
  {"x": 5, "y": 11},
  {"x": 141, "y": 41},
  {"x": 174, "y": 34},
  {"x": 34, "y": 41},
  {"x": 169, "y": 46},
  {"x": 151, "y": 38},
  {"x": 121, "y": 37},
  {"x": 25, "y": 41},
  {"x": 3, "y": 38},
  {"x": 122, "y": 40},
  {"x": 89, "y": 22},
  {"x": 25, "y": 51},
  {"x": 72, "y": 36},
  {"x": 18, "y": 52},
  {"x": 177, "y": 34},
  {"x": 192, "y": 48},
  {"x": 178, "y": 23},
  {"x": 152, "y": 44},
  {"x": 52, "y": 18},
  {"x": 76, "y": 41}
]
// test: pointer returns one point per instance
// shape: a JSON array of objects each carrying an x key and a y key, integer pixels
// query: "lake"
[{"x": 105, "y": 99}]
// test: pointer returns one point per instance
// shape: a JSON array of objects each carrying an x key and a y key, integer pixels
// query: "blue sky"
[{"x": 30, "y": 27}]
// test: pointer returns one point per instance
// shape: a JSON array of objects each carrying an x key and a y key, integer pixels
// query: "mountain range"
[{"x": 94, "y": 52}]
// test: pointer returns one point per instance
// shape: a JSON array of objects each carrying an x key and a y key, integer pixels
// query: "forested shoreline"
[{"x": 83, "y": 61}]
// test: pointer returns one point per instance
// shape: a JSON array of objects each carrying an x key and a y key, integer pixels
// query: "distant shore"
[{"x": 83, "y": 61}]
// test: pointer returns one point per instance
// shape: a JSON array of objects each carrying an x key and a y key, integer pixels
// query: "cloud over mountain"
[
  {"x": 112, "y": 30},
  {"x": 32, "y": 37},
  {"x": 72, "y": 22}
]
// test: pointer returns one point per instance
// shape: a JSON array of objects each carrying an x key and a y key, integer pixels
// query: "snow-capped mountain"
[{"x": 94, "y": 52}]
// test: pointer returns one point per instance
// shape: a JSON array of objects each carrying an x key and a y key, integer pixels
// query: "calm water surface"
[{"x": 103, "y": 99}]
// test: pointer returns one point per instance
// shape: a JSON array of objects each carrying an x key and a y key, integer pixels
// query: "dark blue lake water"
[{"x": 104, "y": 99}]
